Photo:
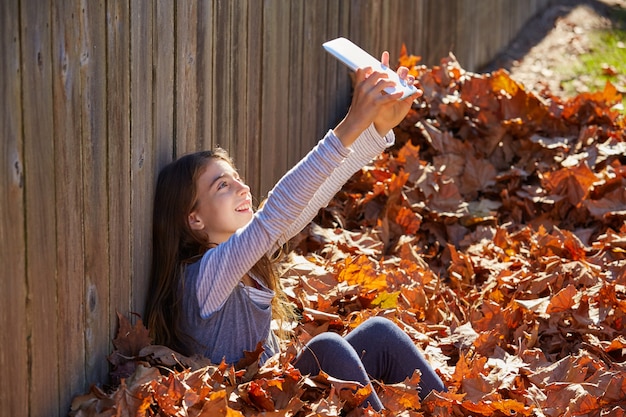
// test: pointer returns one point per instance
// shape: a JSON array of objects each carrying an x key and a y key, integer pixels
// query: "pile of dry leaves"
[{"x": 493, "y": 233}]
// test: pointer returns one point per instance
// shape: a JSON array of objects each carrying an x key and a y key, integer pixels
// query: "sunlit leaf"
[
  {"x": 573, "y": 183},
  {"x": 386, "y": 300},
  {"x": 563, "y": 300},
  {"x": 361, "y": 271}
]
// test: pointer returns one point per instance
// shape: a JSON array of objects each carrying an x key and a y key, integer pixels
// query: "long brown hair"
[{"x": 175, "y": 244}]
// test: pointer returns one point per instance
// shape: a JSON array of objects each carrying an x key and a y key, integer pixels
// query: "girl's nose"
[{"x": 244, "y": 189}]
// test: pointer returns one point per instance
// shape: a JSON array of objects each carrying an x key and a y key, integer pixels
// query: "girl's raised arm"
[
  {"x": 222, "y": 267},
  {"x": 367, "y": 146}
]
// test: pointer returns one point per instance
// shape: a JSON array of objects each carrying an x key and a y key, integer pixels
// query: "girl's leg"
[
  {"x": 333, "y": 354},
  {"x": 390, "y": 356}
]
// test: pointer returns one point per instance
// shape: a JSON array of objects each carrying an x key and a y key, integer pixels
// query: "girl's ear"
[{"x": 195, "y": 222}]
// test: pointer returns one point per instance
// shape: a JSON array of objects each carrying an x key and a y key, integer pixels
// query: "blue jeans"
[{"x": 377, "y": 349}]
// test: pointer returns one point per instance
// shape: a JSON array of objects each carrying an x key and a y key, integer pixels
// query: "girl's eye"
[{"x": 221, "y": 185}]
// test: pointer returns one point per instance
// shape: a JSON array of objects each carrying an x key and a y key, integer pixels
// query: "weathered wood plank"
[
  {"x": 373, "y": 23},
  {"x": 468, "y": 25},
  {"x": 520, "y": 13},
  {"x": 205, "y": 28},
  {"x": 307, "y": 86},
  {"x": 95, "y": 193},
  {"x": 418, "y": 45},
  {"x": 411, "y": 18},
  {"x": 164, "y": 55},
  {"x": 496, "y": 11},
  {"x": 275, "y": 98},
  {"x": 187, "y": 95},
  {"x": 359, "y": 9},
  {"x": 13, "y": 320},
  {"x": 119, "y": 187},
  {"x": 343, "y": 94},
  {"x": 142, "y": 164},
  {"x": 69, "y": 196},
  {"x": 244, "y": 101},
  {"x": 223, "y": 74},
  {"x": 333, "y": 99},
  {"x": 40, "y": 220},
  {"x": 392, "y": 17},
  {"x": 253, "y": 83},
  {"x": 294, "y": 82},
  {"x": 440, "y": 35}
]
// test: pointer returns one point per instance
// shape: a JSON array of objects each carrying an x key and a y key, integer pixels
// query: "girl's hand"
[
  {"x": 392, "y": 113},
  {"x": 370, "y": 104}
]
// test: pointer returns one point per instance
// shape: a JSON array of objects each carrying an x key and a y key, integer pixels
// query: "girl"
[{"x": 213, "y": 290}]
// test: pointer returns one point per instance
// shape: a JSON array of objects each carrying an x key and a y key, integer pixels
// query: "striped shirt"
[{"x": 290, "y": 206}]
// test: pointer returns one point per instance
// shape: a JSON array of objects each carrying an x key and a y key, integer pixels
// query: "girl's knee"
[
  {"x": 325, "y": 346},
  {"x": 325, "y": 340},
  {"x": 380, "y": 328},
  {"x": 381, "y": 323},
  {"x": 330, "y": 352}
]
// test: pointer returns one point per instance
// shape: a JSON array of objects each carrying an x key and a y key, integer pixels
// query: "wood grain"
[
  {"x": 13, "y": 285},
  {"x": 67, "y": 156}
]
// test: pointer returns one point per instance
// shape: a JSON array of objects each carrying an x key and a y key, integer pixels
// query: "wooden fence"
[{"x": 98, "y": 95}]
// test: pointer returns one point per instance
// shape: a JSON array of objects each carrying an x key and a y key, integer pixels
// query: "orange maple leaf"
[{"x": 563, "y": 300}]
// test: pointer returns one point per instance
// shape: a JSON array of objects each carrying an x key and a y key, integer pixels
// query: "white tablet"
[{"x": 354, "y": 58}]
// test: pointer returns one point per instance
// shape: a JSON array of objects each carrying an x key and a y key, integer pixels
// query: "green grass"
[{"x": 606, "y": 60}]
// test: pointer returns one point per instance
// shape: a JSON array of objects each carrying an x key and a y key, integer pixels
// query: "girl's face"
[{"x": 223, "y": 203}]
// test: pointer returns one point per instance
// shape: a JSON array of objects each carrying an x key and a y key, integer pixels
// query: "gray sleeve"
[{"x": 368, "y": 145}]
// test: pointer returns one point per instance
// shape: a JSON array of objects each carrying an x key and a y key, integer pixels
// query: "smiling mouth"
[{"x": 245, "y": 207}]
